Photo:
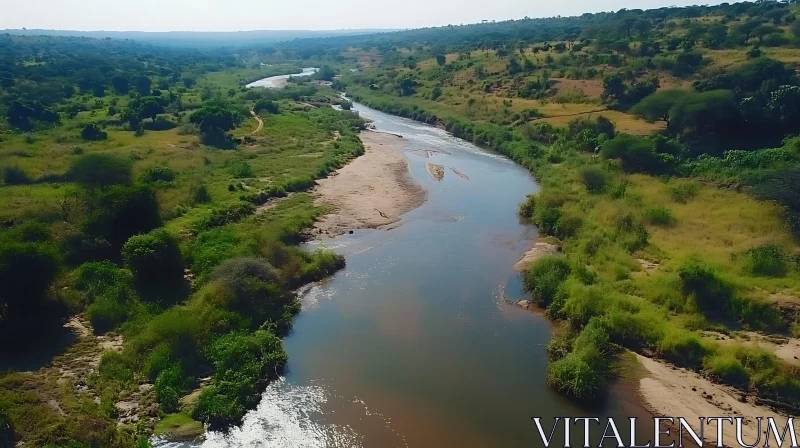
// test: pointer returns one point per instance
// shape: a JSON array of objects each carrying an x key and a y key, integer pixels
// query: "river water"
[{"x": 414, "y": 343}]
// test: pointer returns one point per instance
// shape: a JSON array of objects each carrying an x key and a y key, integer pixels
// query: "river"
[{"x": 414, "y": 343}]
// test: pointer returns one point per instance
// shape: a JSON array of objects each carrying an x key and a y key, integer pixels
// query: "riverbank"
[{"x": 372, "y": 191}]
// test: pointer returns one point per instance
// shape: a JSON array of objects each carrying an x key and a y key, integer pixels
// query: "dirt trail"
[
  {"x": 371, "y": 191},
  {"x": 260, "y": 123}
]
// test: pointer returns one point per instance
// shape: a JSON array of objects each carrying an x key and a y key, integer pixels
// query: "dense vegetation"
[
  {"x": 130, "y": 195},
  {"x": 663, "y": 142}
]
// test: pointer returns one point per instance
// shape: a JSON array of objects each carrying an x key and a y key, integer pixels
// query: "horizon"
[{"x": 214, "y": 16}]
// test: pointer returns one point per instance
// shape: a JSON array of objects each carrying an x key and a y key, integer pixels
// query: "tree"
[
  {"x": 763, "y": 30},
  {"x": 93, "y": 132},
  {"x": 150, "y": 108},
  {"x": 264, "y": 105},
  {"x": 658, "y": 105},
  {"x": 154, "y": 258},
  {"x": 214, "y": 120},
  {"x": 441, "y": 59},
  {"x": 27, "y": 269},
  {"x": 143, "y": 85},
  {"x": 326, "y": 73},
  {"x": 636, "y": 154},
  {"x": 118, "y": 212},
  {"x": 100, "y": 170},
  {"x": 121, "y": 84}
]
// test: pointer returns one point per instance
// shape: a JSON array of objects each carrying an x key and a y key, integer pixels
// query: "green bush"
[
  {"x": 154, "y": 258},
  {"x": 727, "y": 369},
  {"x": 100, "y": 170},
  {"x": 545, "y": 277},
  {"x": 241, "y": 170},
  {"x": 684, "y": 191},
  {"x": 659, "y": 215},
  {"x": 201, "y": 195},
  {"x": 593, "y": 178},
  {"x": 582, "y": 373},
  {"x": 93, "y": 132},
  {"x": 584, "y": 303},
  {"x": 110, "y": 309},
  {"x": 633, "y": 330},
  {"x": 160, "y": 359},
  {"x": 636, "y": 154},
  {"x": 169, "y": 387},
  {"x": 114, "y": 366},
  {"x": 710, "y": 292},
  {"x": 158, "y": 174},
  {"x": 560, "y": 344},
  {"x": 767, "y": 261},
  {"x": 119, "y": 212},
  {"x": 683, "y": 348},
  {"x": 527, "y": 207},
  {"x": 14, "y": 175}
]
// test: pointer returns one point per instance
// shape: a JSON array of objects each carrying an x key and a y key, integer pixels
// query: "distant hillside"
[{"x": 198, "y": 39}]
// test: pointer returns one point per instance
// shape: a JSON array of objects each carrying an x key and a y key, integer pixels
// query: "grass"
[{"x": 179, "y": 426}]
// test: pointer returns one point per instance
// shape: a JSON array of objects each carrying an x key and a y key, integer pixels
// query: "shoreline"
[{"x": 370, "y": 192}]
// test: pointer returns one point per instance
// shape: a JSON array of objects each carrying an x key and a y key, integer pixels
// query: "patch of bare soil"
[
  {"x": 371, "y": 191},
  {"x": 670, "y": 391},
  {"x": 537, "y": 251}
]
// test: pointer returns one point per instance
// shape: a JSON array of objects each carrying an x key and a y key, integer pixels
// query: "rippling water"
[{"x": 414, "y": 343}]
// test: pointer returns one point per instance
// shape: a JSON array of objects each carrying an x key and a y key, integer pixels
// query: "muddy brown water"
[{"x": 415, "y": 343}]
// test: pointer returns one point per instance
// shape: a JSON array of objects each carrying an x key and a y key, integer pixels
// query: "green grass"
[{"x": 178, "y": 426}]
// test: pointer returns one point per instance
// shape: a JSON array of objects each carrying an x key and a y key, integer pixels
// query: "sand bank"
[{"x": 371, "y": 191}]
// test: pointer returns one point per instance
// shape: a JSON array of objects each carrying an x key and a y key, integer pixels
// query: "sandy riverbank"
[
  {"x": 671, "y": 392},
  {"x": 371, "y": 191}
]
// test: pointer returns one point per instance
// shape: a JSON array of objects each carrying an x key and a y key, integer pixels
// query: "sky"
[{"x": 242, "y": 15}]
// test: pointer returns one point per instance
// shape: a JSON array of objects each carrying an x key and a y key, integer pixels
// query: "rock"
[
  {"x": 537, "y": 251},
  {"x": 524, "y": 304}
]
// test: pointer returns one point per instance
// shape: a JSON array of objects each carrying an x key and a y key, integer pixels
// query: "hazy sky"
[{"x": 237, "y": 15}]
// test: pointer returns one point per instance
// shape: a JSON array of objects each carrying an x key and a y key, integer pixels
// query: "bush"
[
  {"x": 160, "y": 359},
  {"x": 225, "y": 215},
  {"x": 767, "y": 261},
  {"x": 114, "y": 366},
  {"x": 683, "y": 348},
  {"x": 93, "y": 132},
  {"x": 710, "y": 292},
  {"x": 26, "y": 272},
  {"x": 727, "y": 369},
  {"x": 545, "y": 277},
  {"x": 158, "y": 174},
  {"x": 117, "y": 213},
  {"x": 659, "y": 216},
  {"x": 169, "y": 387},
  {"x": 241, "y": 170},
  {"x": 593, "y": 178},
  {"x": 684, "y": 191},
  {"x": 527, "y": 208},
  {"x": 14, "y": 175},
  {"x": 636, "y": 154},
  {"x": 243, "y": 365},
  {"x": 154, "y": 258},
  {"x": 201, "y": 195},
  {"x": 100, "y": 170},
  {"x": 582, "y": 373},
  {"x": 109, "y": 309}
]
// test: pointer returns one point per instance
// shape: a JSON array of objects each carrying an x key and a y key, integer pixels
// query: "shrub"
[
  {"x": 241, "y": 170},
  {"x": 100, "y": 170},
  {"x": 109, "y": 309},
  {"x": 683, "y": 348},
  {"x": 227, "y": 214},
  {"x": 93, "y": 132},
  {"x": 727, "y": 369},
  {"x": 201, "y": 195},
  {"x": 14, "y": 175},
  {"x": 584, "y": 303},
  {"x": 117, "y": 213},
  {"x": 169, "y": 386},
  {"x": 26, "y": 272},
  {"x": 636, "y": 154},
  {"x": 710, "y": 292},
  {"x": 545, "y": 277},
  {"x": 659, "y": 215},
  {"x": 767, "y": 261},
  {"x": 560, "y": 344},
  {"x": 154, "y": 258},
  {"x": 582, "y": 373},
  {"x": 160, "y": 359},
  {"x": 527, "y": 208},
  {"x": 684, "y": 191},
  {"x": 158, "y": 174},
  {"x": 114, "y": 366},
  {"x": 593, "y": 178}
]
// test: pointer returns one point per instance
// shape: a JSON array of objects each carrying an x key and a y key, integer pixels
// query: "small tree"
[
  {"x": 441, "y": 59},
  {"x": 154, "y": 258}
]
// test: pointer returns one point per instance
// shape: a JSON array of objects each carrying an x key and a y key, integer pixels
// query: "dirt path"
[
  {"x": 370, "y": 192},
  {"x": 260, "y": 123}
]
